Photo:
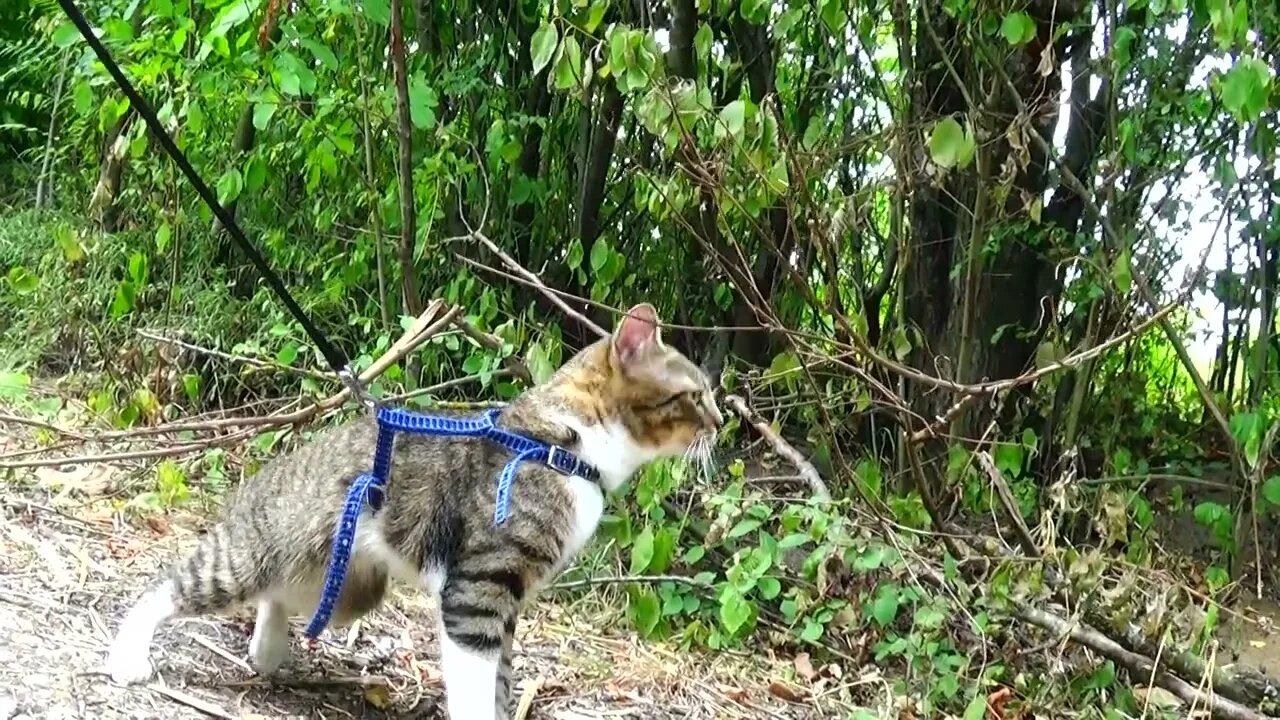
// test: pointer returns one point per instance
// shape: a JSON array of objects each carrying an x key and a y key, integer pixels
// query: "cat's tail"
[{"x": 226, "y": 568}]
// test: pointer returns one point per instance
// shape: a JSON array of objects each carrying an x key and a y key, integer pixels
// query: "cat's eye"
[{"x": 668, "y": 402}]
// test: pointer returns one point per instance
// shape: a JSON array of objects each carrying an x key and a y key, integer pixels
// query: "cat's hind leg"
[
  {"x": 269, "y": 646},
  {"x": 129, "y": 659},
  {"x": 223, "y": 571}
]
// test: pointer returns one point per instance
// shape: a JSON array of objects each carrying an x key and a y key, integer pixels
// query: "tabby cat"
[{"x": 626, "y": 400}]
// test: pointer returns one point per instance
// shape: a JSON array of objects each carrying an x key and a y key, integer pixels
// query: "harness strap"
[{"x": 368, "y": 489}]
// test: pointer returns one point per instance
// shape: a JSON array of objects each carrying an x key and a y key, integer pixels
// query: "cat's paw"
[
  {"x": 268, "y": 649},
  {"x": 128, "y": 663}
]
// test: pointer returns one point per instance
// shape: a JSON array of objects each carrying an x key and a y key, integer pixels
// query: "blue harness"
[{"x": 368, "y": 488}]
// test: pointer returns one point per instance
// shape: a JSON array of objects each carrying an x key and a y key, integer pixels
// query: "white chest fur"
[{"x": 588, "y": 506}]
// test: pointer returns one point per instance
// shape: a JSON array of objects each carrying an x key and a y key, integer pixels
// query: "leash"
[
  {"x": 333, "y": 356},
  {"x": 368, "y": 489}
]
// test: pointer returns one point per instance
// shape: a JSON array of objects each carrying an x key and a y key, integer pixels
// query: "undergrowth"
[{"x": 705, "y": 564}]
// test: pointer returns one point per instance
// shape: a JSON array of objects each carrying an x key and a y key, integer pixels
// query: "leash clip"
[{"x": 353, "y": 385}]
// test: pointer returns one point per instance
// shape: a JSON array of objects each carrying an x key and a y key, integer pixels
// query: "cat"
[{"x": 620, "y": 403}]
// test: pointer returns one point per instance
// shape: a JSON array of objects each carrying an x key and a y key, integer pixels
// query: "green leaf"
[
  {"x": 733, "y": 119},
  {"x": 834, "y": 15},
  {"x": 742, "y": 528},
  {"x": 163, "y": 234},
  {"x": 229, "y": 186},
  {"x": 569, "y": 72},
  {"x": 769, "y": 587},
  {"x": 884, "y": 608},
  {"x": 379, "y": 11},
  {"x": 812, "y": 631},
  {"x": 191, "y": 386},
  {"x": 66, "y": 35},
  {"x": 21, "y": 280},
  {"x": 1122, "y": 272},
  {"x": 138, "y": 268},
  {"x": 543, "y": 46},
  {"x": 600, "y": 252},
  {"x": 977, "y": 709},
  {"x": 573, "y": 256},
  {"x": 1247, "y": 429},
  {"x": 1009, "y": 458},
  {"x": 1211, "y": 514},
  {"x": 474, "y": 363},
  {"x": 83, "y": 98},
  {"x": 231, "y": 16},
  {"x": 262, "y": 114},
  {"x": 793, "y": 540},
  {"x": 321, "y": 52},
  {"x": 778, "y": 180},
  {"x": 950, "y": 145},
  {"x": 646, "y": 610},
  {"x": 422, "y": 103},
  {"x": 290, "y": 83},
  {"x": 13, "y": 385},
  {"x": 1246, "y": 88},
  {"x": 1122, "y": 48},
  {"x": 287, "y": 354},
  {"x": 901, "y": 344},
  {"x": 735, "y": 611},
  {"x": 123, "y": 301},
  {"x": 755, "y": 12},
  {"x": 930, "y": 616},
  {"x": 642, "y": 551},
  {"x": 69, "y": 244},
  {"x": 255, "y": 175},
  {"x": 1018, "y": 28},
  {"x": 595, "y": 15},
  {"x": 1271, "y": 490}
]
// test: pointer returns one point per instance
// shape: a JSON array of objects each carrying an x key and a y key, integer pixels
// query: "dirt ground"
[{"x": 71, "y": 560}]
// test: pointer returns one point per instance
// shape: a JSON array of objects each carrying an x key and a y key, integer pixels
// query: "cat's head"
[{"x": 631, "y": 399}]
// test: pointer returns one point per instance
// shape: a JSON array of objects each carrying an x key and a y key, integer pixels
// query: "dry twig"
[{"x": 782, "y": 447}]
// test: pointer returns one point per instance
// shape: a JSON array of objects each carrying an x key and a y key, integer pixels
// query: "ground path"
[{"x": 71, "y": 559}]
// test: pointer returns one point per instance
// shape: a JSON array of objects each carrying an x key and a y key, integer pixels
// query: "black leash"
[{"x": 335, "y": 357}]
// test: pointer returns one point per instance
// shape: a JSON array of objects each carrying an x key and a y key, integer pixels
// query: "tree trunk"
[
  {"x": 44, "y": 183},
  {"x": 404, "y": 133},
  {"x": 984, "y": 324}
]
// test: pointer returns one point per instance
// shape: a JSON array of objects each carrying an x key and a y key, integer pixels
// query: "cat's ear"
[{"x": 637, "y": 334}]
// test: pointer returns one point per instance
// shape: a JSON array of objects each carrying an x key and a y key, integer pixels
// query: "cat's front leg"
[
  {"x": 505, "y": 683},
  {"x": 477, "y": 619}
]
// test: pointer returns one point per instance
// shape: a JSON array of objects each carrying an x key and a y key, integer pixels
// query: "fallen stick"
[
  {"x": 493, "y": 343},
  {"x": 131, "y": 455},
  {"x": 1007, "y": 500},
  {"x": 780, "y": 446},
  {"x": 191, "y": 701},
  {"x": 1219, "y": 704},
  {"x": 1141, "y": 665},
  {"x": 220, "y": 651},
  {"x": 309, "y": 682},
  {"x": 240, "y": 359},
  {"x": 427, "y": 324},
  {"x": 622, "y": 580},
  {"x": 535, "y": 281}
]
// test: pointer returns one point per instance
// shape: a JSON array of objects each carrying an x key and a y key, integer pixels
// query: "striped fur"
[{"x": 618, "y": 404}]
